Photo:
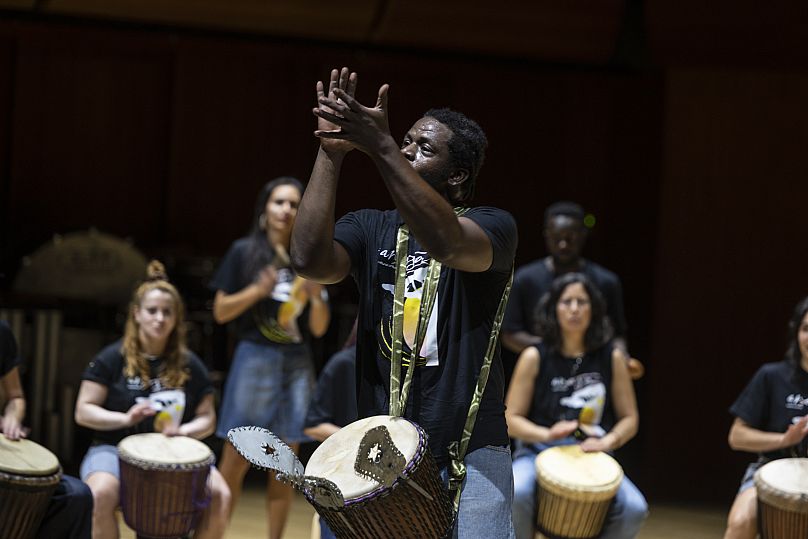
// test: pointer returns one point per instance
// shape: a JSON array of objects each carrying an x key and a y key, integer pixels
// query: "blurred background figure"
[
  {"x": 771, "y": 419},
  {"x": 271, "y": 378},
  {"x": 114, "y": 399},
  {"x": 565, "y": 236},
  {"x": 69, "y": 514}
]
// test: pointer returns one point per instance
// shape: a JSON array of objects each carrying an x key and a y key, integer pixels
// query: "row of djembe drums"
[
  {"x": 575, "y": 490},
  {"x": 164, "y": 489}
]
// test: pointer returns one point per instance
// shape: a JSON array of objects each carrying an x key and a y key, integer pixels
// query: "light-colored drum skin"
[
  {"x": 372, "y": 510},
  {"x": 29, "y": 474},
  {"x": 164, "y": 487},
  {"x": 782, "y": 491},
  {"x": 575, "y": 490}
]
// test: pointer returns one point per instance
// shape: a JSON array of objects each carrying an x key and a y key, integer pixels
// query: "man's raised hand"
[
  {"x": 342, "y": 80},
  {"x": 363, "y": 127}
]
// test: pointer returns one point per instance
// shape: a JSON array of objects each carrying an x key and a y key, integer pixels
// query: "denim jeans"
[
  {"x": 626, "y": 514},
  {"x": 487, "y": 494},
  {"x": 268, "y": 386}
]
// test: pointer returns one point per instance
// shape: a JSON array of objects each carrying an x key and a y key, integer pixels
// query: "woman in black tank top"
[{"x": 573, "y": 387}]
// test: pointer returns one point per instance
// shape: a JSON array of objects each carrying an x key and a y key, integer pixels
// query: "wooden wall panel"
[{"x": 731, "y": 254}]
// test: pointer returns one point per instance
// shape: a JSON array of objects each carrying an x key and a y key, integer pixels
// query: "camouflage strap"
[
  {"x": 457, "y": 450},
  {"x": 399, "y": 392}
]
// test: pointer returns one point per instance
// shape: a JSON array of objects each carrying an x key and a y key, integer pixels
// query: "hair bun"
[{"x": 155, "y": 271}]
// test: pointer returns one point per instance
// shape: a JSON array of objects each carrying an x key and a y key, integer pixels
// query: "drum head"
[
  {"x": 783, "y": 483},
  {"x": 334, "y": 459},
  {"x": 571, "y": 468},
  {"x": 159, "y": 449},
  {"x": 25, "y": 457}
]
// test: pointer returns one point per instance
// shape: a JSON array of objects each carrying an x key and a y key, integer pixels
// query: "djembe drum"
[
  {"x": 164, "y": 488},
  {"x": 574, "y": 491},
  {"x": 29, "y": 474},
  {"x": 416, "y": 504},
  {"x": 782, "y": 491}
]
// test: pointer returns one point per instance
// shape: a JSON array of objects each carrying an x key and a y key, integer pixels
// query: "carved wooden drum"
[
  {"x": 389, "y": 481},
  {"x": 29, "y": 474},
  {"x": 575, "y": 490},
  {"x": 164, "y": 483},
  {"x": 782, "y": 490}
]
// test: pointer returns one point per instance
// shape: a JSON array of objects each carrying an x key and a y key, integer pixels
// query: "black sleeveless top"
[{"x": 574, "y": 388}]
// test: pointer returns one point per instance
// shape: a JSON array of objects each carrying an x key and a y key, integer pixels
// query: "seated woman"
[
  {"x": 573, "y": 382},
  {"x": 70, "y": 508},
  {"x": 114, "y": 393},
  {"x": 770, "y": 421}
]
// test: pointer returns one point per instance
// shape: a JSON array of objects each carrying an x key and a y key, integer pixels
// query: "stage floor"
[{"x": 664, "y": 522}]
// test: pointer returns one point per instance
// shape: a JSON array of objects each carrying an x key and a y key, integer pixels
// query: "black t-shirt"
[
  {"x": 335, "y": 398},
  {"x": 567, "y": 389},
  {"x": 774, "y": 398},
  {"x": 107, "y": 369},
  {"x": 272, "y": 320},
  {"x": 532, "y": 281},
  {"x": 9, "y": 357},
  {"x": 457, "y": 333}
]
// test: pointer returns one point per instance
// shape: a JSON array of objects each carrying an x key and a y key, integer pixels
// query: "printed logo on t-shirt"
[
  {"x": 134, "y": 383},
  {"x": 796, "y": 401},
  {"x": 417, "y": 266},
  {"x": 588, "y": 397},
  {"x": 281, "y": 325}
]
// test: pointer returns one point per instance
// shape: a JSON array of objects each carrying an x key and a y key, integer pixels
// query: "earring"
[{"x": 262, "y": 221}]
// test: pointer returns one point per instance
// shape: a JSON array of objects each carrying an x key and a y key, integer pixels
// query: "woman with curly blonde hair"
[{"x": 114, "y": 399}]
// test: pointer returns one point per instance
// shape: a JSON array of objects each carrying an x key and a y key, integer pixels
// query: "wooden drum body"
[
  {"x": 415, "y": 505},
  {"x": 164, "y": 487},
  {"x": 575, "y": 490},
  {"x": 29, "y": 474},
  {"x": 782, "y": 491}
]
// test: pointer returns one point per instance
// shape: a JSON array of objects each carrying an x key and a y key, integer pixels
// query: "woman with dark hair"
[
  {"x": 573, "y": 384},
  {"x": 114, "y": 399},
  {"x": 771, "y": 419},
  {"x": 271, "y": 379}
]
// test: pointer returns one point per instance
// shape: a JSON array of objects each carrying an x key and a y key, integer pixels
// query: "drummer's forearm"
[
  {"x": 200, "y": 427},
  {"x": 521, "y": 428},
  {"x": 753, "y": 440},
  {"x": 97, "y": 417},
  {"x": 623, "y": 431},
  {"x": 321, "y": 432},
  {"x": 15, "y": 408}
]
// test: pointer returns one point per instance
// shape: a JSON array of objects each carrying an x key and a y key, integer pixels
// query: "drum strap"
[
  {"x": 457, "y": 450},
  {"x": 398, "y": 391}
]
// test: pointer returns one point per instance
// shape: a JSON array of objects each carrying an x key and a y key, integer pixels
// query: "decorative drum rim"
[
  {"x": 26, "y": 458},
  {"x": 157, "y": 451},
  {"x": 570, "y": 472},
  {"x": 334, "y": 459},
  {"x": 783, "y": 483}
]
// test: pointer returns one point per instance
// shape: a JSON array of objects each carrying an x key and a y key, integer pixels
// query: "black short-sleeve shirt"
[
  {"x": 776, "y": 396},
  {"x": 271, "y": 320},
  {"x": 107, "y": 369},
  {"x": 457, "y": 333}
]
